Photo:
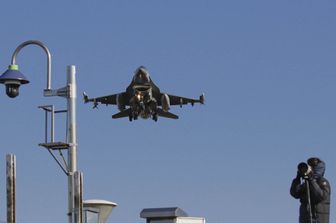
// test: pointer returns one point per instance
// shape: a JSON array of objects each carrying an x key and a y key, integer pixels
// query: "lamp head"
[{"x": 13, "y": 78}]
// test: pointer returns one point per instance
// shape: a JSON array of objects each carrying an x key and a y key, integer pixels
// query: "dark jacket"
[{"x": 319, "y": 196}]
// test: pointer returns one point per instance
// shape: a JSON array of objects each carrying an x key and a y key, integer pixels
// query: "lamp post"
[{"x": 13, "y": 78}]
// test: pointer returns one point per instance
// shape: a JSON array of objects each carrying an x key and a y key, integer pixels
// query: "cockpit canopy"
[{"x": 141, "y": 76}]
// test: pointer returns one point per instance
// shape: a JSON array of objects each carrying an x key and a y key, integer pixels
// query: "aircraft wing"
[
  {"x": 107, "y": 100},
  {"x": 177, "y": 100}
]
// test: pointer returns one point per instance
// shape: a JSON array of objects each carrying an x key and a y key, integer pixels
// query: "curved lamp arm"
[{"x": 45, "y": 48}]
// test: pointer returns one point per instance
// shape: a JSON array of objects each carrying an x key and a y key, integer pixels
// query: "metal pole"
[
  {"x": 309, "y": 202},
  {"x": 52, "y": 127},
  {"x": 45, "y": 48},
  {"x": 11, "y": 187},
  {"x": 78, "y": 192},
  {"x": 71, "y": 137}
]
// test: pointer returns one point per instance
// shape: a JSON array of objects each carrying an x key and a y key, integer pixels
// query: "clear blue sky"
[{"x": 267, "y": 69}]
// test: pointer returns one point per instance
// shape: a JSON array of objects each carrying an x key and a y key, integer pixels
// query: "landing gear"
[
  {"x": 135, "y": 115},
  {"x": 155, "y": 117}
]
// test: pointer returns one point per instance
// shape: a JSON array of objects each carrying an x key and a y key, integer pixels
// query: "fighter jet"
[{"x": 143, "y": 99}]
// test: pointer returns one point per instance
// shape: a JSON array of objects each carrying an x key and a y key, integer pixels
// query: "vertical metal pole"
[
  {"x": 309, "y": 202},
  {"x": 71, "y": 137},
  {"x": 52, "y": 127},
  {"x": 81, "y": 198},
  {"x": 11, "y": 187},
  {"x": 46, "y": 126},
  {"x": 78, "y": 192}
]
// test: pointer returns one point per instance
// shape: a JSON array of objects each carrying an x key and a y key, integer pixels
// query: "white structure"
[
  {"x": 97, "y": 211},
  {"x": 168, "y": 215},
  {"x": 190, "y": 220}
]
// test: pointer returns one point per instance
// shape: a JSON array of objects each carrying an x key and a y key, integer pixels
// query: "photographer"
[{"x": 313, "y": 190}]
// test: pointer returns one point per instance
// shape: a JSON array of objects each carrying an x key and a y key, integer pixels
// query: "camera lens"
[
  {"x": 303, "y": 168},
  {"x": 12, "y": 90}
]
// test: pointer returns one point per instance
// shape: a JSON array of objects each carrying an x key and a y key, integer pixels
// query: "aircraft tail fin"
[
  {"x": 122, "y": 114},
  {"x": 165, "y": 114},
  {"x": 85, "y": 97}
]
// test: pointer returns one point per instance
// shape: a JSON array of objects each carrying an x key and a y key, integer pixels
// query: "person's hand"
[
  {"x": 309, "y": 176},
  {"x": 298, "y": 175}
]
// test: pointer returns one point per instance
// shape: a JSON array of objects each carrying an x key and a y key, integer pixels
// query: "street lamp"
[{"x": 13, "y": 78}]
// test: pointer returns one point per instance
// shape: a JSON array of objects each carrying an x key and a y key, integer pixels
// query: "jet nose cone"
[{"x": 141, "y": 76}]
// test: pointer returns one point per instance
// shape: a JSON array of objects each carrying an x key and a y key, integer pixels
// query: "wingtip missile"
[
  {"x": 202, "y": 99},
  {"x": 85, "y": 97}
]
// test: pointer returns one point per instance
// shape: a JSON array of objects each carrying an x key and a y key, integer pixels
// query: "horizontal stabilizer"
[
  {"x": 122, "y": 114},
  {"x": 162, "y": 113}
]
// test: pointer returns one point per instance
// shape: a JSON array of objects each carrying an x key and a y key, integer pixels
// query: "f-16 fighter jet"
[{"x": 143, "y": 98}]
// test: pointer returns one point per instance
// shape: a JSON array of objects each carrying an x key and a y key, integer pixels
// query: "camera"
[
  {"x": 12, "y": 88},
  {"x": 304, "y": 169},
  {"x": 13, "y": 78}
]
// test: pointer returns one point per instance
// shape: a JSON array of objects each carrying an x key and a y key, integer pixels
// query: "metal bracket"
[
  {"x": 52, "y": 145},
  {"x": 61, "y": 92}
]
